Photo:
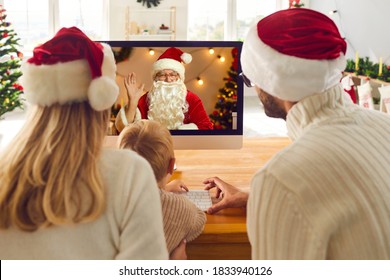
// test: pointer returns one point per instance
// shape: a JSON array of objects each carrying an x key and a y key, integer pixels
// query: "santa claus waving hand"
[{"x": 168, "y": 101}]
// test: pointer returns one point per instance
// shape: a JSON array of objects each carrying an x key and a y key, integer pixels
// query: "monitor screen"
[{"x": 212, "y": 75}]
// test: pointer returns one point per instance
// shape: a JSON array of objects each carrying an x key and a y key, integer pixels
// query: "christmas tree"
[
  {"x": 10, "y": 60},
  {"x": 227, "y": 98}
]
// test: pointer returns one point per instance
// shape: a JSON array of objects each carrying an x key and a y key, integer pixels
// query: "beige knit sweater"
[
  {"x": 327, "y": 195},
  {"x": 181, "y": 219},
  {"x": 130, "y": 228}
]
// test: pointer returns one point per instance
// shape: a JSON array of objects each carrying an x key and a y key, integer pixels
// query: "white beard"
[{"x": 167, "y": 103}]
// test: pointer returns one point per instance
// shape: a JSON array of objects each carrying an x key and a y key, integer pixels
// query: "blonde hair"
[
  {"x": 50, "y": 175},
  {"x": 152, "y": 141}
]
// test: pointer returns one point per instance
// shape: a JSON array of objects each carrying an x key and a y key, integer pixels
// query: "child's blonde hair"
[{"x": 152, "y": 141}]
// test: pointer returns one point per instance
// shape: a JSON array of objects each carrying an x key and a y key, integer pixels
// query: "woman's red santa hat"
[
  {"x": 172, "y": 59},
  {"x": 71, "y": 68},
  {"x": 294, "y": 53}
]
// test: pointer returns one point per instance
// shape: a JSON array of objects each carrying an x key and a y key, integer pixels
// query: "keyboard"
[{"x": 201, "y": 198}]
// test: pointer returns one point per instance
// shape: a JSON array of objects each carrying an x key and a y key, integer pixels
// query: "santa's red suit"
[{"x": 196, "y": 113}]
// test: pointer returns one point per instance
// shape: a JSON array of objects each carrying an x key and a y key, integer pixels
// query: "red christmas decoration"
[{"x": 17, "y": 86}]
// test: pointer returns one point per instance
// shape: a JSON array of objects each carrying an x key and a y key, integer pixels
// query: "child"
[{"x": 181, "y": 218}]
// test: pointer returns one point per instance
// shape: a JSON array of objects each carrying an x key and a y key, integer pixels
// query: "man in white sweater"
[{"x": 327, "y": 195}]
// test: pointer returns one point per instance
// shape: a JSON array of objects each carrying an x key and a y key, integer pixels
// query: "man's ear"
[{"x": 171, "y": 165}]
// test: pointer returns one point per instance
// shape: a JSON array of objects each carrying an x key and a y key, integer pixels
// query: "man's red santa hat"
[
  {"x": 172, "y": 59},
  {"x": 294, "y": 53},
  {"x": 71, "y": 68}
]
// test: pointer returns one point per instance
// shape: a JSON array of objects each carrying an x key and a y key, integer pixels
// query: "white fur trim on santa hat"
[
  {"x": 287, "y": 77},
  {"x": 167, "y": 63},
  {"x": 69, "y": 82},
  {"x": 58, "y": 83},
  {"x": 103, "y": 91},
  {"x": 186, "y": 58}
]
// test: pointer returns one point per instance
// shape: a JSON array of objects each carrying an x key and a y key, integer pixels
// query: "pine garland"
[{"x": 369, "y": 69}]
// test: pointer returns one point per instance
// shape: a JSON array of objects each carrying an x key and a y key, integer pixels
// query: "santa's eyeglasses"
[
  {"x": 164, "y": 76},
  {"x": 246, "y": 81}
]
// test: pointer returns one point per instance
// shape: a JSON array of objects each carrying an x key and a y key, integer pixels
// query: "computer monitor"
[{"x": 212, "y": 75}]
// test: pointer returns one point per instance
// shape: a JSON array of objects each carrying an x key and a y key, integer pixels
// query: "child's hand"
[{"x": 176, "y": 186}]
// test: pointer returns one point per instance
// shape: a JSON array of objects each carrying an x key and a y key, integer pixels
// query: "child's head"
[{"x": 152, "y": 141}]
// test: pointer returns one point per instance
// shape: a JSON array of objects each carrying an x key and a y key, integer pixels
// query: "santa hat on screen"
[
  {"x": 71, "y": 68},
  {"x": 294, "y": 53},
  {"x": 173, "y": 59}
]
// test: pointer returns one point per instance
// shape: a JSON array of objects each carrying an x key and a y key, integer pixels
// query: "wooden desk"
[{"x": 224, "y": 235}]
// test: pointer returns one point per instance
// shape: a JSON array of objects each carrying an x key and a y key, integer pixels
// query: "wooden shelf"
[{"x": 138, "y": 20}]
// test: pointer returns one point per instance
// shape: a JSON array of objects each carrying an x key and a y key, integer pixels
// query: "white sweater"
[
  {"x": 327, "y": 195},
  {"x": 130, "y": 228}
]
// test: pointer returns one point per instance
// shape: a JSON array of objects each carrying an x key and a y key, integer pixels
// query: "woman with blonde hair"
[
  {"x": 153, "y": 141},
  {"x": 62, "y": 195}
]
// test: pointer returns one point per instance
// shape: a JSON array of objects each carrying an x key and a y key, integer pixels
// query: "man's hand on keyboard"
[{"x": 232, "y": 197}]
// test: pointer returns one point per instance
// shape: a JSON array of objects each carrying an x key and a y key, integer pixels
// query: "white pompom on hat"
[
  {"x": 71, "y": 68},
  {"x": 172, "y": 59},
  {"x": 294, "y": 53}
]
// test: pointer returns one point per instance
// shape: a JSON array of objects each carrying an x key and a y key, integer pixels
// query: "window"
[
  {"x": 227, "y": 19},
  {"x": 252, "y": 11},
  {"x": 35, "y": 21},
  {"x": 88, "y": 15},
  {"x": 206, "y": 19},
  {"x": 29, "y": 19}
]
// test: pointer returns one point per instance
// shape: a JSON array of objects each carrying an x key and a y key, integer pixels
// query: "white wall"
[{"x": 363, "y": 23}]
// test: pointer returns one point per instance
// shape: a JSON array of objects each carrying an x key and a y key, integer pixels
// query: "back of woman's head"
[
  {"x": 50, "y": 173},
  {"x": 152, "y": 141}
]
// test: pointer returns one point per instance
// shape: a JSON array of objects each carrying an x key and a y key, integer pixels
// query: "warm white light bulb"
[
  {"x": 211, "y": 50},
  {"x": 221, "y": 58},
  {"x": 151, "y": 51},
  {"x": 200, "y": 81}
]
